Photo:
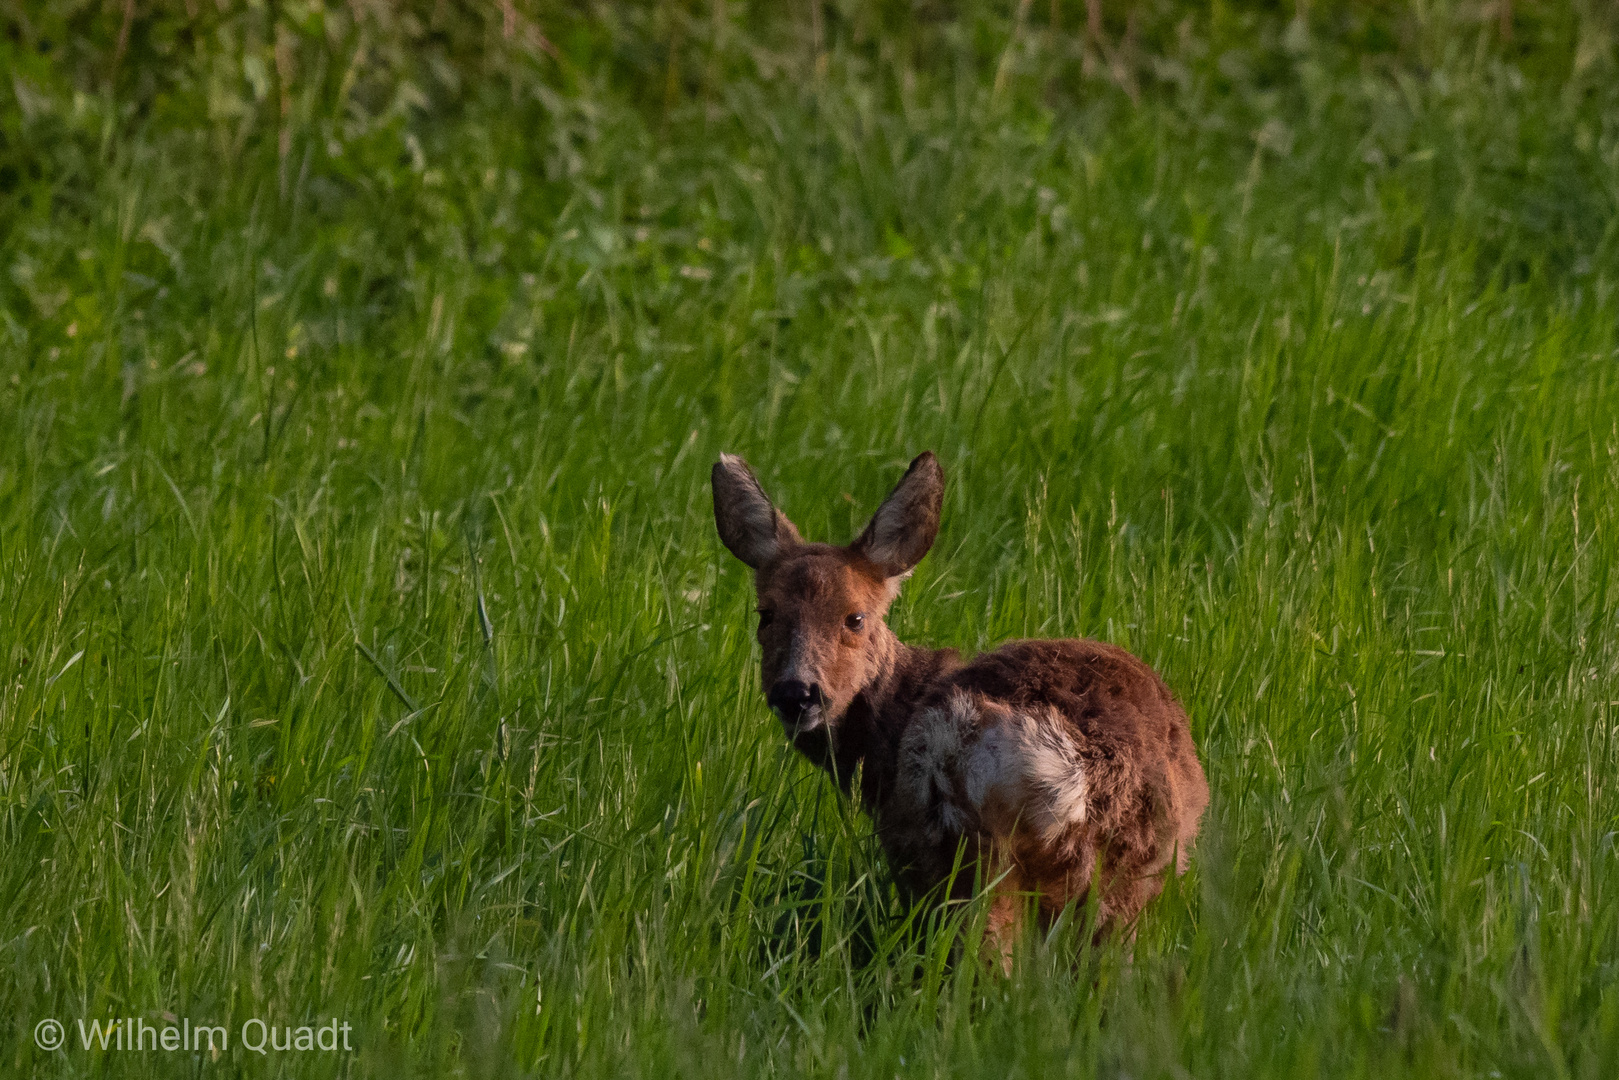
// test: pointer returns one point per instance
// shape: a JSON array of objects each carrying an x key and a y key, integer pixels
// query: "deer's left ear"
[
  {"x": 903, "y": 529},
  {"x": 754, "y": 530}
]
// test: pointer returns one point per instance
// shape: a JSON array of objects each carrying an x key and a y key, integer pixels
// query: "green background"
[{"x": 366, "y": 649}]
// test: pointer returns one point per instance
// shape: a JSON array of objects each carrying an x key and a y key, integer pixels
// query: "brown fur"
[{"x": 1050, "y": 761}]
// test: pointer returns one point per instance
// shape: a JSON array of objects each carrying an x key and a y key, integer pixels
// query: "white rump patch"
[
  {"x": 929, "y": 761},
  {"x": 1054, "y": 773},
  {"x": 1008, "y": 765}
]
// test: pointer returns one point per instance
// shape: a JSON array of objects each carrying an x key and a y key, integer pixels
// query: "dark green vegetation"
[{"x": 367, "y": 649}]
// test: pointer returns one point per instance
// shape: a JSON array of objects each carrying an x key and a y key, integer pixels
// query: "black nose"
[{"x": 792, "y": 698}]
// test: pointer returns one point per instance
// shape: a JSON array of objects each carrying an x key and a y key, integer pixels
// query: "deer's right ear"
[
  {"x": 904, "y": 527},
  {"x": 753, "y": 529}
]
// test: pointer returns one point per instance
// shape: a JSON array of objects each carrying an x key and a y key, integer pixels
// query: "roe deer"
[{"x": 1051, "y": 761}]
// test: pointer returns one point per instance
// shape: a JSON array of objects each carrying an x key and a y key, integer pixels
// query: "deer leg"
[
  {"x": 1001, "y": 933},
  {"x": 1008, "y": 907}
]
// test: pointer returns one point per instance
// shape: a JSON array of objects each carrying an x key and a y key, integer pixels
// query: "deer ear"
[
  {"x": 904, "y": 526},
  {"x": 754, "y": 530}
]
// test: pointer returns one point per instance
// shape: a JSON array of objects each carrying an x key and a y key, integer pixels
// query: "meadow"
[{"x": 368, "y": 651}]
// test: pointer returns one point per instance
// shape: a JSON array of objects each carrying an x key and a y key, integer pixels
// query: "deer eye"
[
  {"x": 765, "y": 615},
  {"x": 855, "y": 622}
]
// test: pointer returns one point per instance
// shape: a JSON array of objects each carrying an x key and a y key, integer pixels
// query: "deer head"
[{"x": 822, "y": 607}]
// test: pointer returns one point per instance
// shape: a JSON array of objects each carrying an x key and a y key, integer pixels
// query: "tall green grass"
[{"x": 368, "y": 650}]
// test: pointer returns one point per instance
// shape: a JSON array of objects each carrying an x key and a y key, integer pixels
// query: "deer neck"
[{"x": 866, "y": 737}]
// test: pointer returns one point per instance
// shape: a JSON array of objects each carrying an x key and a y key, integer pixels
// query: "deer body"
[{"x": 1045, "y": 761}]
